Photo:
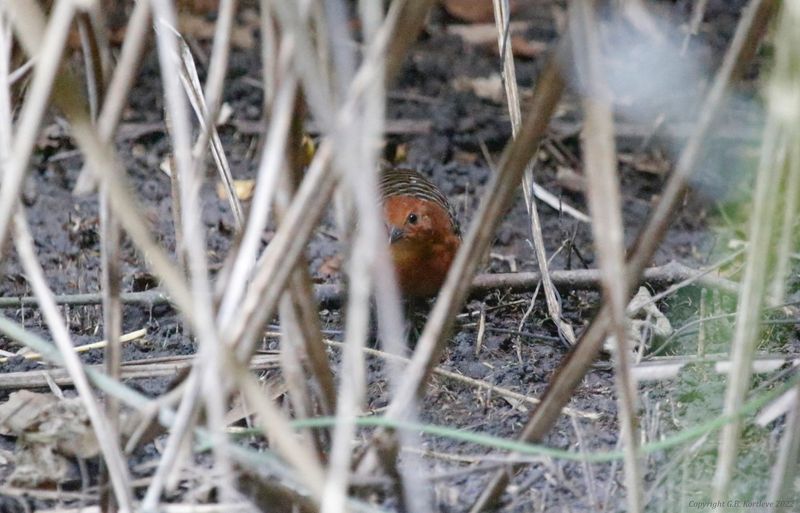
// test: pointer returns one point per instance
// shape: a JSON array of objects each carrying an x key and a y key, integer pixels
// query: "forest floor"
[{"x": 447, "y": 114}]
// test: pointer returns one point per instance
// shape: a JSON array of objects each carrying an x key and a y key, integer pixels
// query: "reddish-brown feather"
[{"x": 424, "y": 245}]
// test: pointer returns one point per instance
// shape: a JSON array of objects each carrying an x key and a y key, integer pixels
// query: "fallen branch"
[
  {"x": 86, "y": 347},
  {"x": 130, "y": 370},
  {"x": 330, "y": 295}
]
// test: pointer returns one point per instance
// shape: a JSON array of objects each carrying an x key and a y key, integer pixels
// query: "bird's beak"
[{"x": 395, "y": 234}]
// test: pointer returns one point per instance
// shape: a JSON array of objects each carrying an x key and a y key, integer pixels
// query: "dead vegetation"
[{"x": 606, "y": 396}]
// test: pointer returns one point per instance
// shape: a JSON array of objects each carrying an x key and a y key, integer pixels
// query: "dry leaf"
[
  {"x": 243, "y": 188},
  {"x": 331, "y": 266},
  {"x": 524, "y": 47},
  {"x": 570, "y": 179},
  {"x": 37, "y": 465},
  {"x": 488, "y": 88},
  {"x": 44, "y": 419},
  {"x": 23, "y": 410},
  {"x": 480, "y": 34}
]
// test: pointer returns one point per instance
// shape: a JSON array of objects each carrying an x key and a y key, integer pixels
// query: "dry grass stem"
[
  {"x": 605, "y": 206},
  {"x": 786, "y": 239},
  {"x": 213, "y": 386},
  {"x": 301, "y": 332},
  {"x": 266, "y": 183},
  {"x": 119, "y": 88},
  {"x": 276, "y": 263},
  {"x": 208, "y": 124},
  {"x": 780, "y": 134},
  {"x": 137, "y": 369},
  {"x": 298, "y": 308},
  {"x": 357, "y": 137},
  {"x": 48, "y": 50},
  {"x": 6, "y": 121},
  {"x": 502, "y": 13}
]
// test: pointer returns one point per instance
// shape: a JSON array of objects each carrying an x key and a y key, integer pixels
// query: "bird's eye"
[{"x": 412, "y": 218}]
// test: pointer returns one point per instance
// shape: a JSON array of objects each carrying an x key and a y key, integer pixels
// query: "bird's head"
[{"x": 414, "y": 221}]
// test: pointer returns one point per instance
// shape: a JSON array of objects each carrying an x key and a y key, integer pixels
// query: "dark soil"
[{"x": 66, "y": 230}]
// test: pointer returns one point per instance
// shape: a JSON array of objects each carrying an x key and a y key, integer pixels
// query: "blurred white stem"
[
  {"x": 209, "y": 359},
  {"x": 269, "y": 55},
  {"x": 751, "y": 298},
  {"x": 261, "y": 205},
  {"x": 788, "y": 224},
  {"x": 294, "y": 26},
  {"x": 605, "y": 206},
  {"x": 180, "y": 429},
  {"x": 6, "y": 121}
]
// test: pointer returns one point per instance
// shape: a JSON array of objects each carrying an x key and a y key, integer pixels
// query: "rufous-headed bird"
[{"x": 423, "y": 231}]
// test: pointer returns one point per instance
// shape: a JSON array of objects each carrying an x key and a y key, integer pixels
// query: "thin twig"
[
  {"x": 127, "y": 337},
  {"x": 208, "y": 126},
  {"x": 331, "y": 295},
  {"x": 502, "y": 13}
]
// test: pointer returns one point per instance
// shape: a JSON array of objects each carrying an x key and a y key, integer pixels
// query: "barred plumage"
[
  {"x": 407, "y": 182},
  {"x": 423, "y": 231}
]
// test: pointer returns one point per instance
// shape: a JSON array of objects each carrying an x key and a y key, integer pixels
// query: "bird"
[{"x": 423, "y": 230}]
